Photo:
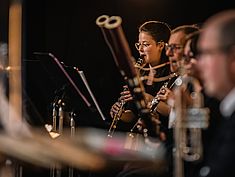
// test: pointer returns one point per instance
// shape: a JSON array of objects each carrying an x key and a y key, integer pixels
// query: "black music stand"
[{"x": 50, "y": 80}]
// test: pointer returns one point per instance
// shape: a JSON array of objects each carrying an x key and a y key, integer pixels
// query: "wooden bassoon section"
[{"x": 117, "y": 42}]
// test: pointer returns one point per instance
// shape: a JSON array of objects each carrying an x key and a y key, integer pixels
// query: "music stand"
[
  {"x": 77, "y": 75},
  {"x": 53, "y": 78}
]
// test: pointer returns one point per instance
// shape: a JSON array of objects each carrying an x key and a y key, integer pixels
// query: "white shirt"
[{"x": 172, "y": 117}]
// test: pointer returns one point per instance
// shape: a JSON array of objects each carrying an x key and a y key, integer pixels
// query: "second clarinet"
[{"x": 169, "y": 84}]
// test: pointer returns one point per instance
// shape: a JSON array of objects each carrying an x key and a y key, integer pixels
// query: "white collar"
[{"x": 227, "y": 106}]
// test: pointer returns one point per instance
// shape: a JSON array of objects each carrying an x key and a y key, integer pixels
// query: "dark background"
[{"x": 68, "y": 30}]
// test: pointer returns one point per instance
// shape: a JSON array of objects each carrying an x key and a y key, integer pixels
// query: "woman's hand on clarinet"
[
  {"x": 125, "y": 94},
  {"x": 115, "y": 108},
  {"x": 123, "y": 99}
]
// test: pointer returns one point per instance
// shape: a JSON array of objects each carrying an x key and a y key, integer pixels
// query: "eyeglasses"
[
  {"x": 187, "y": 58},
  {"x": 210, "y": 52},
  {"x": 173, "y": 47},
  {"x": 138, "y": 45},
  {"x": 214, "y": 51}
]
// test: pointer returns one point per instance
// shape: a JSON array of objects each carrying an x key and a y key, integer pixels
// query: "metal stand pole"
[
  {"x": 72, "y": 128},
  {"x": 55, "y": 171}
]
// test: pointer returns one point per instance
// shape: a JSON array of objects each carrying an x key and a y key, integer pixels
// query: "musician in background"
[
  {"x": 188, "y": 65},
  {"x": 217, "y": 67},
  {"x": 190, "y": 61},
  {"x": 153, "y": 36},
  {"x": 151, "y": 46},
  {"x": 190, "y": 69},
  {"x": 174, "y": 51}
]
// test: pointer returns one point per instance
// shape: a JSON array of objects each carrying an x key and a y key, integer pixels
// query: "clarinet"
[
  {"x": 117, "y": 117},
  {"x": 155, "y": 101},
  {"x": 139, "y": 62}
]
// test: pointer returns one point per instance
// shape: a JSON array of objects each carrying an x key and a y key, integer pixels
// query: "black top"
[{"x": 151, "y": 89}]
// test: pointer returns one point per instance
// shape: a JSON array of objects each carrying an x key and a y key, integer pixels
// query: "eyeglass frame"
[
  {"x": 173, "y": 47},
  {"x": 187, "y": 58},
  {"x": 145, "y": 44},
  {"x": 216, "y": 50}
]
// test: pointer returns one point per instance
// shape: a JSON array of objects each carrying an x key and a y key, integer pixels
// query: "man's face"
[
  {"x": 189, "y": 61},
  {"x": 174, "y": 50},
  {"x": 213, "y": 64}
]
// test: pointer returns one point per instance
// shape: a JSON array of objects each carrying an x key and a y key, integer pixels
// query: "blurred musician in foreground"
[{"x": 217, "y": 67}]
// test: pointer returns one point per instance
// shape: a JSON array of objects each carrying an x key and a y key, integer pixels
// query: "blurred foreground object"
[
  {"x": 88, "y": 149},
  {"x": 191, "y": 118}
]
